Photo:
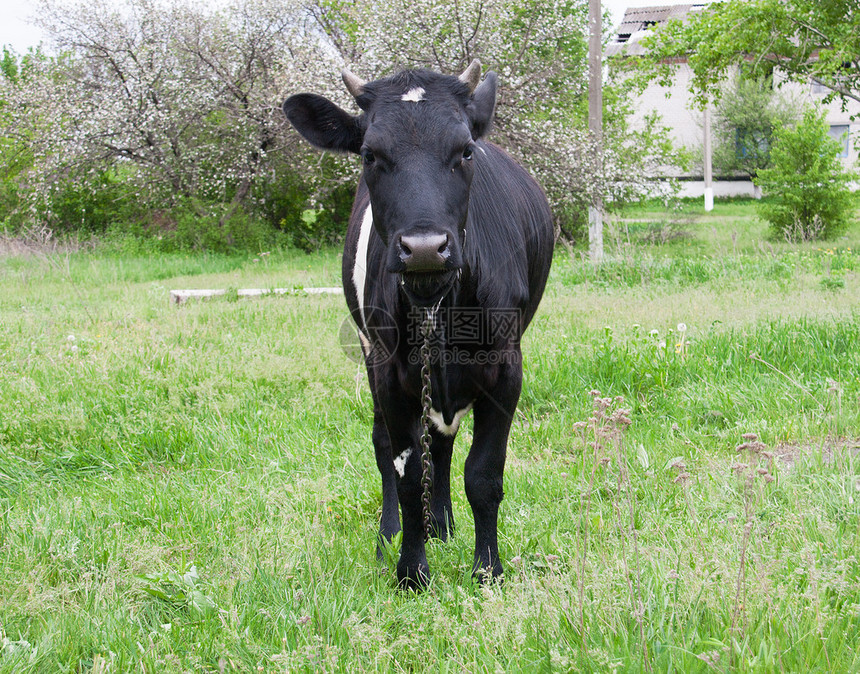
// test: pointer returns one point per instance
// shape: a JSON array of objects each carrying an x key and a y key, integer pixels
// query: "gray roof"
[{"x": 637, "y": 21}]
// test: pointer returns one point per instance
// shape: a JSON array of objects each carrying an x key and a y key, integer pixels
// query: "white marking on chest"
[
  {"x": 414, "y": 95},
  {"x": 445, "y": 429},
  {"x": 359, "y": 269},
  {"x": 400, "y": 461},
  {"x": 366, "y": 346}
]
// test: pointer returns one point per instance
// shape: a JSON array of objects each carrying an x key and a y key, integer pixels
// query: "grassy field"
[{"x": 193, "y": 488}]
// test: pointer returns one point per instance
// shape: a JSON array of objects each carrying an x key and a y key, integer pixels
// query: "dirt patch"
[{"x": 39, "y": 242}]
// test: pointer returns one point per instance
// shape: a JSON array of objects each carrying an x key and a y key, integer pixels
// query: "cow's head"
[{"x": 416, "y": 136}]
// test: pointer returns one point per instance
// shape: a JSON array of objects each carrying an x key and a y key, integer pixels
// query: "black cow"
[{"x": 441, "y": 218}]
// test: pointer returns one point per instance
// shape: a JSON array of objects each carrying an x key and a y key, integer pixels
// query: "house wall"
[
  {"x": 811, "y": 94},
  {"x": 684, "y": 121}
]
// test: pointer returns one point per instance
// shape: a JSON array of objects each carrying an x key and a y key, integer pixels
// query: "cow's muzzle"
[
  {"x": 426, "y": 288},
  {"x": 424, "y": 252},
  {"x": 428, "y": 265}
]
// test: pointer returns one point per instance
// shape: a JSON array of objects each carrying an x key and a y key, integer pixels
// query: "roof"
[{"x": 638, "y": 20}]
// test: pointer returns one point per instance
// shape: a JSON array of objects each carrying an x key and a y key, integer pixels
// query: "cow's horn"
[
  {"x": 354, "y": 85},
  {"x": 472, "y": 74}
]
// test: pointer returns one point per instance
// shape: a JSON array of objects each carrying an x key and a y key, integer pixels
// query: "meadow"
[{"x": 193, "y": 488}]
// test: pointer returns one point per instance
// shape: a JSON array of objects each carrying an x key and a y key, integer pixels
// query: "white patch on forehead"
[
  {"x": 400, "y": 461},
  {"x": 414, "y": 95},
  {"x": 359, "y": 269},
  {"x": 445, "y": 429}
]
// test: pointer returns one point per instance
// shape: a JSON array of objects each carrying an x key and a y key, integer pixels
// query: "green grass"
[{"x": 193, "y": 488}]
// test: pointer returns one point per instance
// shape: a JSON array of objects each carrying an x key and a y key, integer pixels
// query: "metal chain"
[{"x": 427, "y": 328}]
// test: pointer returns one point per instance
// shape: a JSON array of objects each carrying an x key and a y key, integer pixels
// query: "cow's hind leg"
[
  {"x": 389, "y": 522},
  {"x": 441, "y": 511}
]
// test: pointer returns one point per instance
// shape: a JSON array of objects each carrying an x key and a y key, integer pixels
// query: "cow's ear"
[
  {"x": 482, "y": 105},
  {"x": 323, "y": 124}
]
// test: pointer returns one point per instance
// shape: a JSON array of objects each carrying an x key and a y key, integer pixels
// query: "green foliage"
[
  {"x": 810, "y": 191},
  {"x": 748, "y": 112},
  {"x": 88, "y": 206},
  {"x": 192, "y": 226},
  {"x": 182, "y": 589},
  {"x": 9, "y": 68},
  {"x": 15, "y": 157},
  {"x": 213, "y": 135},
  {"x": 285, "y": 201},
  {"x": 805, "y": 38}
]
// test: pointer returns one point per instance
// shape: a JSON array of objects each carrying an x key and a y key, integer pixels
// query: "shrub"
[
  {"x": 88, "y": 206},
  {"x": 204, "y": 229},
  {"x": 809, "y": 189}
]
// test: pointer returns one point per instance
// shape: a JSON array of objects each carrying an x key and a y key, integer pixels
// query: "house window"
[
  {"x": 750, "y": 143},
  {"x": 819, "y": 88},
  {"x": 839, "y": 133}
]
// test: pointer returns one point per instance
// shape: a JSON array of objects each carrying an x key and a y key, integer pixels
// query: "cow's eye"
[
  {"x": 368, "y": 157},
  {"x": 467, "y": 153}
]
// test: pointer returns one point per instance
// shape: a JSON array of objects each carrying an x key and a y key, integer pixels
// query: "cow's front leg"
[
  {"x": 402, "y": 421},
  {"x": 485, "y": 466},
  {"x": 442, "y": 513},
  {"x": 389, "y": 522},
  {"x": 412, "y": 568}
]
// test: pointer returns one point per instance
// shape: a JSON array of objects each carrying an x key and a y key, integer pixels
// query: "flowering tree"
[
  {"x": 180, "y": 102},
  {"x": 539, "y": 50}
]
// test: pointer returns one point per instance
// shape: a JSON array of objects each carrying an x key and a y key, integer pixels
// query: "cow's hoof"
[{"x": 413, "y": 578}]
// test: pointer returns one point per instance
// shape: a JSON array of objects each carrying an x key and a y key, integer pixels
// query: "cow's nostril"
[{"x": 443, "y": 247}]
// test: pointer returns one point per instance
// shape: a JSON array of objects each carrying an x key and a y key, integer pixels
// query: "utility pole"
[
  {"x": 709, "y": 159},
  {"x": 595, "y": 124}
]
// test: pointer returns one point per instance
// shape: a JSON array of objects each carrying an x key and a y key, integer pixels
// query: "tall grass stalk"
[{"x": 618, "y": 421}]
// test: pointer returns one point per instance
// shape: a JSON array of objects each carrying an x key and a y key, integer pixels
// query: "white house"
[{"x": 685, "y": 120}]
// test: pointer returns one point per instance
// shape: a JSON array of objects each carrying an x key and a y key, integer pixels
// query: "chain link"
[{"x": 427, "y": 328}]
